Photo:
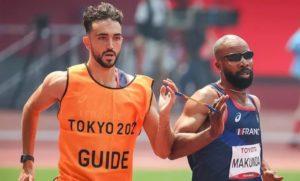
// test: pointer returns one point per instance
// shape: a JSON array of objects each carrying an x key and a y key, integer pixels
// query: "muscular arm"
[
  {"x": 50, "y": 91},
  {"x": 159, "y": 131},
  {"x": 190, "y": 131},
  {"x": 157, "y": 122}
]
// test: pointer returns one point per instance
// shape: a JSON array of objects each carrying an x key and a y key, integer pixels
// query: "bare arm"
[
  {"x": 50, "y": 91},
  {"x": 159, "y": 131},
  {"x": 188, "y": 138},
  {"x": 157, "y": 124}
]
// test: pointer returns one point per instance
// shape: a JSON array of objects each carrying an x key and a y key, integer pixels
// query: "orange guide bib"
[{"x": 99, "y": 126}]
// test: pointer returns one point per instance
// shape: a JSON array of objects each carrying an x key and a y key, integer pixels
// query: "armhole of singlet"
[
  {"x": 253, "y": 102},
  {"x": 219, "y": 91},
  {"x": 65, "y": 91}
]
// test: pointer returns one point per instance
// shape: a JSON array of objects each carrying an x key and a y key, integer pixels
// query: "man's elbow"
[
  {"x": 29, "y": 109},
  {"x": 162, "y": 154},
  {"x": 170, "y": 154},
  {"x": 173, "y": 156}
]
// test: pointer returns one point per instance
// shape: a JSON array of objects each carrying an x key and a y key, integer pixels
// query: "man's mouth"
[
  {"x": 109, "y": 54},
  {"x": 245, "y": 72}
]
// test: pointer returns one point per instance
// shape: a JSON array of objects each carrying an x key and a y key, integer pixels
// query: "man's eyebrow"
[
  {"x": 106, "y": 34},
  {"x": 102, "y": 34}
]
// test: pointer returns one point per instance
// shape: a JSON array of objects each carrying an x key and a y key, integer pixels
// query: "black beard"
[
  {"x": 237, "y": 81},
  {"x": 99, "y": 59}
]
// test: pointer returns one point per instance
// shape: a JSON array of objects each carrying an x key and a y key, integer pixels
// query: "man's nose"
[
  {"x": 245, "y": 62},
  {"x": 110, "y": 44}
]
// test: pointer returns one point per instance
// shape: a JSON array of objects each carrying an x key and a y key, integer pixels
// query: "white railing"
[
  {"x": 17, "y": 46},
  {"x": 41, "y": 62},
  {"x": 75, "y": 31},
  {"x": 57, "y": 29}
]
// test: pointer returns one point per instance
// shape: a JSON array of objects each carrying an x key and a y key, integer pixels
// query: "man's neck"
[
  {"x": 105, "y": 76},
  {"x": 235, "y": 93}
]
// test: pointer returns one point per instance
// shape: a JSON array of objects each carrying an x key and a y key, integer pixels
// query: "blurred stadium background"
[{"x": 37, "y": 37}]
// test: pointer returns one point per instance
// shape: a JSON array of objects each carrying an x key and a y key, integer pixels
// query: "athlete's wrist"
[
  {"x": 26, "y": 157},
  {"x": 28, "y": 166},
  {"x": 213, "y": 134}
]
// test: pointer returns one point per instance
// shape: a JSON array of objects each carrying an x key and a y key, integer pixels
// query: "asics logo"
[{"x": 237, "y": 117}]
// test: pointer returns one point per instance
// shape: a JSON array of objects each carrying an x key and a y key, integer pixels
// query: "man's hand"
[
  {"x": 216, "y": 118},
  {"x": 27, "y": 172},
  {"x": 167, "y": 97},
  {"x": 270, "y": 175}
]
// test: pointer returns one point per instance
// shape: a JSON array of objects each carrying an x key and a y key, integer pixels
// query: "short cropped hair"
[{"x": 102, "y": 11}]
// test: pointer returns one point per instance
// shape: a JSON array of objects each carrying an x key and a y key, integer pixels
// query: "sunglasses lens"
[
  {"x": 234, "y": 57},
  {"x": 248, "y": 55}
]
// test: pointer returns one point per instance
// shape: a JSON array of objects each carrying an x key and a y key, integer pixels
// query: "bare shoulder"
[
  {"x": 206, "y": 95},
  {"x": 56, "y": 83},
  {"x": 50, "y": 91},
  {"x": 195, "y": 114},
  {"x": 256, "y": 101},
  {"x": 56, "y": 78}
]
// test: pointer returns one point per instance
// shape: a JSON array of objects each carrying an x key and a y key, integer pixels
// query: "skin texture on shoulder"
[
  {"x": 194, "y": 115},
  {"x": 50, "y": 91},
  {"x": 196, "y": 127}
]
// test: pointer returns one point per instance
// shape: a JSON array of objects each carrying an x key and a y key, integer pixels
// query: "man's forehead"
[
  {"x": 233, "y": 47},
  {"x": 107, "y": 26},
  {"x": 230, "y": 44},
  {"x": 234, "y": 42}
]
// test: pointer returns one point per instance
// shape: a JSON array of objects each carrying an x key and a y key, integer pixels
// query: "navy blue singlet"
[{"x": 242, "y": 127}]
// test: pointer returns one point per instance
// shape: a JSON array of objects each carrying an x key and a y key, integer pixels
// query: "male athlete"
[
  {"x": 224, "y": 145},
  {"x": 102, "y": 109}
]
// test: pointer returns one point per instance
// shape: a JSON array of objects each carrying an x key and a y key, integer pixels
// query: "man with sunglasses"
[{"x": 226, "y": 144}]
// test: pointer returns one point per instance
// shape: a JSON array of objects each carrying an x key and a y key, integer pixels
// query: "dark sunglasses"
[{"x": 236, "y": 57}]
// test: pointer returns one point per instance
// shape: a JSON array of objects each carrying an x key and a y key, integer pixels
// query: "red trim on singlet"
[
  {"x": 242, "y": 107},
  {"x": 235, "y": 103},
  {"x": 225, "y": 116}
]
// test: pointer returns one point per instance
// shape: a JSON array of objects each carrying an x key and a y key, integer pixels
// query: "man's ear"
[
  {"x": 86, "y": 41},
  {"x": 217, "y": 64}
]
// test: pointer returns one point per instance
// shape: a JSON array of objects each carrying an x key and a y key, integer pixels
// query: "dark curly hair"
[{"x": 102, "y": 11}]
